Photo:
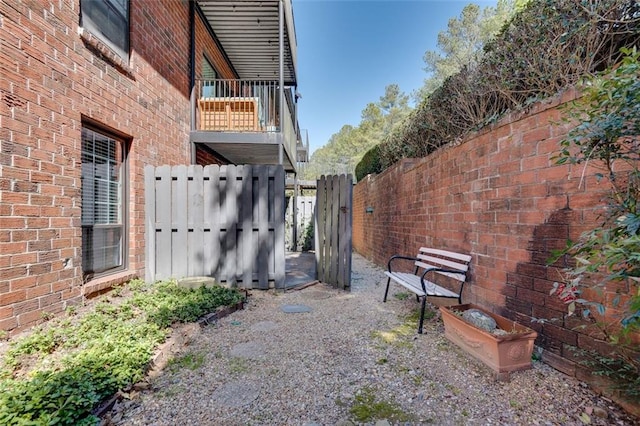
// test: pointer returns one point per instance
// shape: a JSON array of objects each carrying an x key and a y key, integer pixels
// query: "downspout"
[
  {"x": 281, "y": 81},
  {"x": 192, "y": 74}
]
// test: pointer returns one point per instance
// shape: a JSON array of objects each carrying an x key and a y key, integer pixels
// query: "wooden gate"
[
  {"x": 225, "y": 222},
  {"x": 333, "y": 230}
]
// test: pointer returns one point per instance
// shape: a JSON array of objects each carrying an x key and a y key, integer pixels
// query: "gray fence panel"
[
  {"x": 149, "y": 223},
  {"x": 195, "y": 221},
  {"x": 211, "y": 243},
  {"x": 263, "y": 225},
  {"x": 220, "y": 221},
  {"x": 344, "y": 224},
  {"x": 246, "y": 211},
  {"x": 335, "y": 228},
  {"x": 334, "y": 225},
  {"x": 163, "y": 222},
  {"x": 278, "y": 221},
  {"x": 179, "y": 237},
  {"x": 321, "y": 207},
  {"x": 230, "y": 212},
  {"x": 326, "y": 252}
]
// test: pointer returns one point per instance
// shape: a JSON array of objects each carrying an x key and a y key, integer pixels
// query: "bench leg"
[
  {"x": 424, "y": 301},
  {"x": 387, "y": 290}
]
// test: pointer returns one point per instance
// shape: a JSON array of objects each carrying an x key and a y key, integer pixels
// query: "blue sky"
[{"x": 349, "y": 50}]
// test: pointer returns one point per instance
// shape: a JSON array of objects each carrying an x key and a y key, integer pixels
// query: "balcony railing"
[
  {"x": 248, "y": 106},
  {"x": 238, "y": 106}
]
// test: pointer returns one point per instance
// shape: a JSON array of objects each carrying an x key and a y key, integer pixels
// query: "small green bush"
[
  {"x": 308, "y": 237},
  {"x": 370, "y": 163},
  {"x": 58, "y": 374}
]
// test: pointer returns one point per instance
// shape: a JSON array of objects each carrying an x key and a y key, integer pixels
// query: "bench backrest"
[{"x": 431, "y": 257}]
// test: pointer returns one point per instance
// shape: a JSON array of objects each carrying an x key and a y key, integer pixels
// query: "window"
[
  {"x": 109, "y": 20},
  {"x": 104, "y": 182},
  {"x": 208, "y": 76}
]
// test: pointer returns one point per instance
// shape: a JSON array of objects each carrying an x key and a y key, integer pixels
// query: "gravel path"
[{"x": 347, "y": 361}]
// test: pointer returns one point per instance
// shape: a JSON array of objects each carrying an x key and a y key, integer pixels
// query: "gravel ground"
[{"x": 348, "y": 361}]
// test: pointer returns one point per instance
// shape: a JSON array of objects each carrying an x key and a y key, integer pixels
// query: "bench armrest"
[
  {"x": 450, "y": 271},
  {"x": 397, "y": 256}
]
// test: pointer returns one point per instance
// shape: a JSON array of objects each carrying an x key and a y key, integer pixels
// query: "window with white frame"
[
  {"x": 109, "y": 20},
  {"x": 104, "y": 189}
]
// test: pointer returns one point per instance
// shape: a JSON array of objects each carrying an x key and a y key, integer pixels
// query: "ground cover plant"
[{"x": 61, "y": 371}]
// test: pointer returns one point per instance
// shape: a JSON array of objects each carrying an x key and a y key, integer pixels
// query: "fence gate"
[
  {"x": 333, "y": 230},
  {"x": 225, "y": 222}
]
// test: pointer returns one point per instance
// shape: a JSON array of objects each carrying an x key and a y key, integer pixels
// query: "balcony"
[{"x": 242, "y": 121}]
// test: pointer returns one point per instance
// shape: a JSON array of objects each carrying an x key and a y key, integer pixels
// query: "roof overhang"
[{"x": 249, "y": 32}]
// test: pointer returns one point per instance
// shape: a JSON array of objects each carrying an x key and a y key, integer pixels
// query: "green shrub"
[
  {"x": 58, "y": 374},
  {"x": 547, "y": 47},
  {"x": 308, "y": 237},
  {"x": 606, "y": 140},
  {"x": 369, "y": 164}
]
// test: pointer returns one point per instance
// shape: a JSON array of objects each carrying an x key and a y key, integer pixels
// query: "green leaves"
[
  {"x": 96, "y": 353},
  {"x": 608, "y": 137}
]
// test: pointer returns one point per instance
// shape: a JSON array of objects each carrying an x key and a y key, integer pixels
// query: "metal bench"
[{"x": 433, "y": 262}]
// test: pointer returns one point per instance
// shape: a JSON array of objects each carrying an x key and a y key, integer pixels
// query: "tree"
[
  {"x": 463, "y": 42},
  {"x": 345, "y": 148}
]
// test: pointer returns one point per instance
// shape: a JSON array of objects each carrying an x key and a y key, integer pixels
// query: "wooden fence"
[
  {"x": 225, "y": 222},
  {"x": 333, "y": 230}
]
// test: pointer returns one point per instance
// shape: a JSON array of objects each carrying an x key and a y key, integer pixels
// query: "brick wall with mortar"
[
  {"x": 499, "y": 196},
  {"x": 53, "y": 78}
]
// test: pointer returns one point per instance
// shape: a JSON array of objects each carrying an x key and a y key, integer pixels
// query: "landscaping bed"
[{"x": 61, "y": 371}]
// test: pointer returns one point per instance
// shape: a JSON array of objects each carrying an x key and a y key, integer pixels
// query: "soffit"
[{"x": 249, "y": 34}]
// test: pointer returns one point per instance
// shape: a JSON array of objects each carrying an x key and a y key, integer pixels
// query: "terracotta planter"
[{"x": 503, "y": 354}]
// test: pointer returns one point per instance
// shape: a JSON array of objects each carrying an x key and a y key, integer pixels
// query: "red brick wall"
[
  {"x": 52, "y": 79},
  {"x": 205, "y": 157},
  {"x": 500, "y": 197},
  {"x": 205, "y": 45}
]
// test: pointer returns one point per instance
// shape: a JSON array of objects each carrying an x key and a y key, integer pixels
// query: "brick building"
[{"x": 91, "y": 91}]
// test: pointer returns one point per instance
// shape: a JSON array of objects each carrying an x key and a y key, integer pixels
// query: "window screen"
[{"x": 102, "y": 202}]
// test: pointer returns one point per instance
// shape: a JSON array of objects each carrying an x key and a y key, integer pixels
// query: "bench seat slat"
[
  {"x": 460, "y": 256},
  {"x": 439, "y": 263},
  {"x": 459, "y": 277},
  {"x": 412, "y": 282}
]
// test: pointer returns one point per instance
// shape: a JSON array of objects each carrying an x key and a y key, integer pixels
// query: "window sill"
[
  {"x": 99, "y": 48},
  {"x": 99, "y": 285}
]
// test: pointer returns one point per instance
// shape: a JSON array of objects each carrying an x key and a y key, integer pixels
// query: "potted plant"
[{"x": 505, "y": 350}]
